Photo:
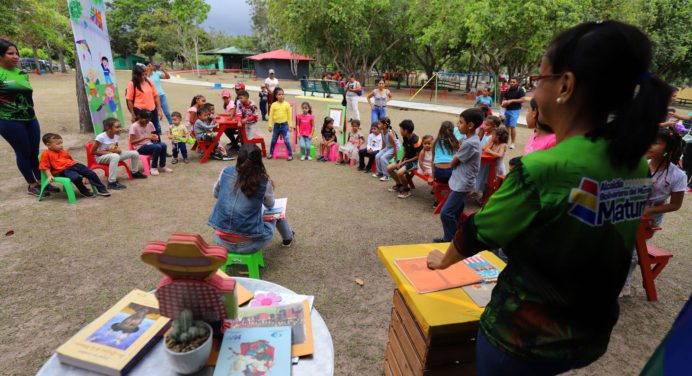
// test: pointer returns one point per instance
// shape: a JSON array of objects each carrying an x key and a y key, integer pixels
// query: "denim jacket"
[{"x": 235, "y": 213}]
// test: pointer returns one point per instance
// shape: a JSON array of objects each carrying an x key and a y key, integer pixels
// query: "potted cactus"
[{"x": 188, "y": 343}]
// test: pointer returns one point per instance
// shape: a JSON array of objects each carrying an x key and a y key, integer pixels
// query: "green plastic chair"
[
  {"x": 67, "y": 186},
  {"x": 253, "y": 261}
]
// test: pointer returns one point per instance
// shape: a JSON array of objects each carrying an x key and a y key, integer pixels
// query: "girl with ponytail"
[
  {"x": 669, "y": 180},
  {"x": 574, "y": 207},
  {"x": 241, "y": 191}
]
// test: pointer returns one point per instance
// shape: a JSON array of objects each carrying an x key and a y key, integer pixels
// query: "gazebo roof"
[
  {"x": 232, "y": 50},
  {"x": 280, "y": 55}
]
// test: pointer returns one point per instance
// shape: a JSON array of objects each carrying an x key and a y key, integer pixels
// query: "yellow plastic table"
[{"x": 438, "y": 312}]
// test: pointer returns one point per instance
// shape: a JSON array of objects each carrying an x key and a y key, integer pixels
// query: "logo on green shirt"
[{"x": 614, "y": 201}]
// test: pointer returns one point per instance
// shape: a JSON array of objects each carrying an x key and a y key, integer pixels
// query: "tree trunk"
[
  {"x": 50, "y": 59},
  {"x": 61, "y": 57},
  {"x": 196, "y": 40},
  {"x": 85, "y": 123},
  {"x": 36, "y": 63}
]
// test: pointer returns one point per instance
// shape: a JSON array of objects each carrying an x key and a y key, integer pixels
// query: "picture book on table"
[
  {"x": 273, "y": 299},
  {"x": 480, "y": 293},
  {"x": 255, "y": 352},
  {"x": 483, "y": 268},
  {"x": 276, "y": 212},
  {"x": 424, "y": 280},
  {"x": 114, "y": 342},
  {"x": 296, "y": 315}
]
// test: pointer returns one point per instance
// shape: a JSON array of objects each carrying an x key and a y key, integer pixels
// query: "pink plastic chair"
[
  {"x": 334, "y": 153},
  {"x": 145, "y": 159}
]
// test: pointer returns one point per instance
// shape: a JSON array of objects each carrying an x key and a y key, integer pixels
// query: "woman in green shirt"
[
  {"x": 18, "y": 124},
  {"x": 567, "y": 217}
]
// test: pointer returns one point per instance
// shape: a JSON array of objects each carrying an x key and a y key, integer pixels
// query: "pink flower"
[{"x": 266, "y": 300}]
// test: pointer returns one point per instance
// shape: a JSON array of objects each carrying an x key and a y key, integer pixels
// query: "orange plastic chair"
[
  {"x": 92, "y": 165},
  {"x": 652, "y": 259},
  {"x": 256, "y": 140}
]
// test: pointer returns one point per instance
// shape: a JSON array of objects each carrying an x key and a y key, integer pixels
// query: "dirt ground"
[{"x": 66, "y": 264}]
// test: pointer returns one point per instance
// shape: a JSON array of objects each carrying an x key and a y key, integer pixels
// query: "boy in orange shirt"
[{"x": 58, "y": 162}]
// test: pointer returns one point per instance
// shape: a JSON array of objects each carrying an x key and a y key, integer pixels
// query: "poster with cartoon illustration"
[{"x": 93, "y": 47}]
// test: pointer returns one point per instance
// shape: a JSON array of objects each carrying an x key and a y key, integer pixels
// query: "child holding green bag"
[{"x": 179, "y": 136}]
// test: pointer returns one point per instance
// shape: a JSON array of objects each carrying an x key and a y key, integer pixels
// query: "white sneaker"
[
  {"x": 384, "y": 178},
  {"x": 511, "y": 146},
  {"x": 166, "y": 169},
  {"x": 302, "y": 158},
  {"x": 309, "y": 158},
  {"x": 154, "y": 171}
]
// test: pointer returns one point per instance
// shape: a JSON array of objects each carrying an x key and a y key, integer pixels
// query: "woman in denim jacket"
[{"x": 241, "y": 190}]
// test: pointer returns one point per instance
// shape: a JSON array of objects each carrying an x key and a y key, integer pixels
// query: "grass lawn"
[{"x": 66, "y": 264}]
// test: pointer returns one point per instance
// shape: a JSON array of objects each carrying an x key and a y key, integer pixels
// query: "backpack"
[{"x": 134, "y": 96}]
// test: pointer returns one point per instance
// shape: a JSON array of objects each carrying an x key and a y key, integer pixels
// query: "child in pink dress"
[
  {"x": 541, "y": 139},
  {"x": 306, "y": 127}
]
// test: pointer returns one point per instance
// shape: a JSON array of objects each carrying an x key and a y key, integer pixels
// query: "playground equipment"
[
  {"x": 467, "y": 81},
  {"x": 411, "y": 80}
]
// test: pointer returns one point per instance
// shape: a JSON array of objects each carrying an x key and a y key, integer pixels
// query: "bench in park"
[{"x": 326, "y": 87}]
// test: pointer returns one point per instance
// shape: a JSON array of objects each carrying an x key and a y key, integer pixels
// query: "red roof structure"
[{"x": 279, "y": 55}]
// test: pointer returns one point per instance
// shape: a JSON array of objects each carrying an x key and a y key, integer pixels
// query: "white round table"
[{"x": 154, "y": 362}]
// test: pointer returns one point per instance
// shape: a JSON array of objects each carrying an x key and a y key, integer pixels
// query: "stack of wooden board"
[{"x": 411, "y": 351}]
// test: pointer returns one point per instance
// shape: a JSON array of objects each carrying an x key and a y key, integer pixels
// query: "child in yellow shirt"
[{"x": 280, "y": 121}]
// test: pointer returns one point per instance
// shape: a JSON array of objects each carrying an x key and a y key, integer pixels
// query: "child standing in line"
[
  {"x": 263, "y": 98},
  {"x": 197, "y": 102},
  {"x": 328, "y": 138},
  {"x": 390, "y": 146},
  {"x": 498, "y": 148},
  {"x": 412, "y": 146},
  {"x": 425, "y": 157},
  {"x": 465, "y": 164},
  {"x": 178, "y": 134},
  {"x": 306, "y": 127},
  {"x": 246, "y": 112},
  {"x": 106, "y": 151},
  {"x": 56, "y": 161},
  {"x": 280, "y": 121},
  {"x": 373, "y": 147},
  {"x": 486, "y": 132},
  {"x": 144, "y": 139},
  {"x": 204, "y": 131},
  {"x": 353, "y": 143},
  {"x": 542, "y": 137}
]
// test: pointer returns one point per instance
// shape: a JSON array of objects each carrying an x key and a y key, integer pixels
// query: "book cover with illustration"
[
  {"x": 277, "y": 212},
  {"x": 113, "y": 343},
  {"x": 424, "y": 280},
  {"x": 296, "y": 315},
  {"x": 480, "y": 293},
  {"x": 483, "y": 268},
  {"x": 255, "y": 352},
  {"x": 269, "y": 298}
]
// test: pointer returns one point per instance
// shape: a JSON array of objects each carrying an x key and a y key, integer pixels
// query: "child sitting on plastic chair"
[
  {"x": 370, "y": 150},
  {"x": 328, "y": 138},
  {"x": 107, "y": 151},
  {"x": 56, "y": 161},
  {"x": 412, "y": 146},
  {"x": 425, "y": 158},
  {"x": 354, "y": 142},
  {"x": 204, "y": 132}
]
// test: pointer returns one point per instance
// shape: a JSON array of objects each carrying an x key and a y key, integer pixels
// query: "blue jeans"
[
  {"x": 378, "y": 112},
  {"x": 491, "y": 361},
  {"x": 165, "y": 108},
  {"x": 511, "y": 117},
  {"x": 24, "y": 138},
  {"x": 157, "y": 152},
  {"x": 254, "y": 245},
  {"x": 382, "y": 160},
  {"x": 442, "y": 175},
  {"x": 305, "y": 145},
  {"x": 449, "y": 215},
  {"x": 281, "y": 129},
  {"x": 180, "y": 146},
  {"x": 154, "y": 120}
]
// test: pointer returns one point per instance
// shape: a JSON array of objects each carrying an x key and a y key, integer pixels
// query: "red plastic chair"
[
  {"x": 650, "y": 255},
  {"x": 145, "y": 159},
  {"x": 92, "y": 165},
  {"x": 492, "y": 188},
  {"x": 256, "y": 140}
]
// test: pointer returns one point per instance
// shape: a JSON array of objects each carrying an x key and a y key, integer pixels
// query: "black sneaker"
[
  {"x": 289, "y": 242},
  {"x": 116, "y": 186},
  {"x": 138, "y": 175},
  {"x": 36, "y": 191},
  {"x": 102, "y": 191},
  {"x": 51, "y": 188},
  {"x": 439, "y": 240},
  {"x": 87, "y": 193}
]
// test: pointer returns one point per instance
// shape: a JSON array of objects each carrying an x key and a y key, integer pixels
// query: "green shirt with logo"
[
  {"x": 16, "y": 102},
  {"x": 567, "y": 220}
]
